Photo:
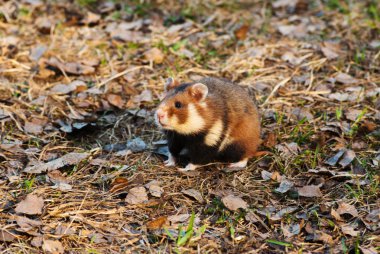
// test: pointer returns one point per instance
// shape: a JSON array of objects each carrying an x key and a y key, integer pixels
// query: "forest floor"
[{"x": 81, "y": 160}]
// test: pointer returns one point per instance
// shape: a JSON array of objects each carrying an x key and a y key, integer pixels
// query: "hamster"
[{"x": 211, "y": 120}]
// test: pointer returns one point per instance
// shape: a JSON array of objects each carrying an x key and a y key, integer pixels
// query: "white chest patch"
[
  {"x": 214, "y": 134},
  {"x": 194, "y": 123}
]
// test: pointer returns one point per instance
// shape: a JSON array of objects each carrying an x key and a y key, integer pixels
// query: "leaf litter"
[{"x": 77, "y": 128}]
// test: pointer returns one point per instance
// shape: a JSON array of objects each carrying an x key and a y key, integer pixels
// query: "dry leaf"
[
  {"x": 27, "y": 224},
  {"x": 155, "y": 55},
  {"x": 31, "y": 205},
  {"x": 345, "y": 78},
  {"x": 116, "y": 100},
  {"x": 53, "y": 246},
  {"x": 285, "y": 185},
  {"x": 178, "y": 218},
  {"x": 345, "y": 208},
  {"x": 334, "y": 160},
  {"x": 119, "y": 184},
  {"x": 154, "y": 188},
  {"x": 271, "y": 140},
  {"x": 195, "y": 194},
  {"x": 348, "y": 157},
  {"x": 310, "y": 191},
  {"x": 321, "y": 236},
  {"x": 370, "y": 250},
  {"x": 352, "y": 114},
  {"x": 67, "y": 159},
  {"x": 336, "y": 215},
  {"x": 241, "y": 32},
  {"x": 5, "y": 236},
  {"x": 349, "y": 230},
  {"x": 157, "y": 223},
  {"x": 291, "y": 229},
  {"x": 137, "y": 195},
  {"x": 33, "y": 127},
  {"x": 234, "y": 203}
]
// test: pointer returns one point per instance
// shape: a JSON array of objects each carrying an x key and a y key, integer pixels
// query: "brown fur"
[{"x": 224, "y": 100}]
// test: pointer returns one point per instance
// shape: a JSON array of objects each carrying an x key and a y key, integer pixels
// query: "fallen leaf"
[
  {"x": 31, "y": 205},
  {"x": 334, "y": 160},
  {"x": 155, "y": 55},
  {"x": 33, "y": 127},
  {"x": 157, "y": 223},
  {"x": 195, "y": 194},
  {"x": 137, "y": 195},
  {"x": 349, "y": 230},
  {"x": 285, "y": 185},
  {"x": 118, "y": 185},
  {"x": 336, "y": 215},
  {"x": 97, "y": 238},
  {"x": 321, "y": 236},
  {"x": 64, "y": 230},
  {"x": 373, "y": 216},
  {"x": 345, "y": 78},
  {"x": 290, "y": 229},
  {"x": 116, "y": 100},
  {"x": 154, "y": 188},
  {"x": 287, "y": 210},
  {"x": 234, "y": 203},
  {"x": 241, "y": 32},
  {"x": 344, "y": 208},
  {"x": 27, "y": 224},
  {"x": 53, "y": 246},
  {"x": 266, "y": 175},
  {"x": 310, "y": 191},
  {"x": 370, "y": 250},
  {"x": 71, "y": 67},
  {"x": 331, "y": 50},
  {"x": 339, "y": 96},
  {"x": 352, "y": 114},
  {"x": 178, "y": 218},
  {"x": 67, "y": 159},
  {"x": 37, "y": 241},
  {"x": 271, "y": 140},
  {"x": 37, "y": 52},
  {"x": 348, "y": 157},
  {"x": 68, "y": 88},
  {"x": 5, "y": 236}
]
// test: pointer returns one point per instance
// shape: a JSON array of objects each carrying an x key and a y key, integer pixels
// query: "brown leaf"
[
  {"x": 154, "y": 188},
  {"x": 234, "y": 203},
  {"x": 157, "y": 223},
  {"x": 31, "y": 205},
  {"x": 155, "y": 55},
  {"x": 119, "y": 184},
  {"x": 290, "y": 229},
  {"x": 137, "y": 195},
  {"x": 37, "y": 241},
  {"x": 52, "y": 246},
  {"x": 5, "y": 236},
  {"x": 195, "y": 194},
  {"x": 330, "y": 50},
  {"x": 321, "y": 236},
  {"x": 336, "y": 215},
  {"x": 369, "y": 126},
  {"x": 345, "y": 208},
  {"x": 33, "y": 127},
  {"x": 67, "y": 159},
  {"x": 310, "y": 191},
  {"x": 271, "y": 140},
  {"x": 178, "y": 218},
  {"x": 116, "y": 100},
  {"x": 241, "y": 32},
  {"x": 349, "y": 230},
  {"x": 345, "y": 78},
  {"x": 27, "y": 224},
  {"x": 352, "y": 114}
]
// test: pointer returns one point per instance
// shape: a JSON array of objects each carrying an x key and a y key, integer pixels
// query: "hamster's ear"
[
  {"x": 198, "y": 91},
  {"x": 170, "y": 84}
]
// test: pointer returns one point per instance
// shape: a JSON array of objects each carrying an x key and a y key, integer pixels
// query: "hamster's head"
[{"x": 182, "y": 108}]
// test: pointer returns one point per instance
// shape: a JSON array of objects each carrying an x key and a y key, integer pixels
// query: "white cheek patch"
[
  {"x": 194, "y": 122},
  {"x": 214, "y": 134}
]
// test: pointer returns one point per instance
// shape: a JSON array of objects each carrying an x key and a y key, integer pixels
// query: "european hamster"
[{"x": 211, "y": 120}]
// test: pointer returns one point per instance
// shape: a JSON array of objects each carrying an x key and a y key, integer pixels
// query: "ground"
[{"x": 81, "y": 160}]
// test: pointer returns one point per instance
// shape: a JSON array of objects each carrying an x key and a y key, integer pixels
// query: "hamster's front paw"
[
  {"x": 170, "y": 162},
  {"x": 188, "y": 167}
]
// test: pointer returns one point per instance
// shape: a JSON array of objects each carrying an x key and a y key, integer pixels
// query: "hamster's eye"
[{"x": 178, "y": 104}]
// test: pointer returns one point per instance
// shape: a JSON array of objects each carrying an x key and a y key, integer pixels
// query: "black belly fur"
[{"x": 197, "y": 152}]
